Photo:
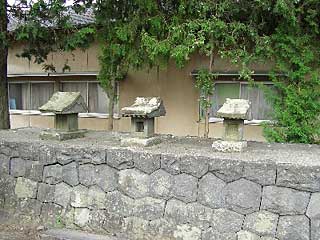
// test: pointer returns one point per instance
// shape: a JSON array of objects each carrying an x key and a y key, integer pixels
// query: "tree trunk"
[
  {"x": 112, "y": 94},
  {"x": 207, "y": 110},
  {"x": 4, "y": 104}
]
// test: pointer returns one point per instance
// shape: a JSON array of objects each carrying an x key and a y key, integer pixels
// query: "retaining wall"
[{"x": 146, "y": 195}]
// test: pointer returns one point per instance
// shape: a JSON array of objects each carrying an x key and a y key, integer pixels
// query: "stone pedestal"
[
  {"x": 60, "y": 135},
  {"x": 233, "y": 129}
]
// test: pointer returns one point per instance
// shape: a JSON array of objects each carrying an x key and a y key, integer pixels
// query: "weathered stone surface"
[
  {"x": 226, "y": 169},
  {"x": 136, "y": 228},
  {"x": 176, "y": 211},
  {"x": 134, "y": 183},
  {"x": 95, "y": 156},
  {"x": 299, "y": 177},
  {"x": 194, "y": 165},
  {"x": 147, "y": 162},
  {"x": 117, "y": 203},
  {"x": 210, "y": 191},
  {"x": 234, "y": 109},
  {"x": 170, "y": 163},
  {"x": 113, "y": 223},
  {"x": 226, "y": 221},
  {"x": 96, "y": 220},
  {"x": 149, "y": 208},
  {"x": 47, "y": 154},
  {"x": 66, "y": 155},
  {"x": 185, "y": 187},
  {"x": 26, "y": 188},
  {"x": 120, "y": 159},
  {"x": 46, "y": 193},
  {"x": 4, "y": 164},
  {"x": 161, "y": 184},
  {"x": 268, "y": 238},
  {"x": 87, "y": 174},
  {"x": 18, "y": 167},
  {"x": 243, "y": 196},
  {"x": 62, "y": 194},
  {"x": 245, "y": 235},
  {"x": 34, "y": 171},
  {"x": 230, "y": 146},
  {"x": 52, "y": 174},
  {"x": 29, "y": 207},
  {"x": 212, "y": 233},
  {"x": 293, "y": 228},
  {"x": 70, "y": 174},
  {"x": 28, "y": 151},
  {"x": 187, "y": 232},
  {"x": 161, "y": 229},
  {"x": 199, "y": 215},
  {"x": 51, "y": 215},
  {"x": 81, "y": 216},
  {"x": 262, "y": 173},
  {"x": 313, "y": 210},
  {"x": 106, "y": 178},
  {"x": 315, "y": 229},
  {"x": 262, "y": 223},
  {"x": 7, "y": 192},
  {"x": 284, "y": 201},
  {"x": 97, "y": 198},
  {"x": 80, "y": 197}
]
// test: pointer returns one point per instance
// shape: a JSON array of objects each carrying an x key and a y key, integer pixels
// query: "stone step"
[{"x": 66, "y": 234}]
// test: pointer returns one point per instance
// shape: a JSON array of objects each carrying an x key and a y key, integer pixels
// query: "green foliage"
[{"x": 205, "y": 84}]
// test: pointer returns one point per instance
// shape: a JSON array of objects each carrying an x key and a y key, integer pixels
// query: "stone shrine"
[
  {"x": 65, "y": 106},
  {"x": 233, "y": 112},
  {"x": 143, "y": 113}
]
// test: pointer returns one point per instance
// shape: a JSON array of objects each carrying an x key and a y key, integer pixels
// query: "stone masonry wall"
[{"x": 159, "y": 196}]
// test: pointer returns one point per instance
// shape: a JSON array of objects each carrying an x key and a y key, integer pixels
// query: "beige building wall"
[{"x": 175, "y": 86}]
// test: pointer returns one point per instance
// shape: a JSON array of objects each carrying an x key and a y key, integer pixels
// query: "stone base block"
[
  {"x": 229, "y": 146},
  {"x": 145, "y": 142},
  {"x": 52, "y": 134}
]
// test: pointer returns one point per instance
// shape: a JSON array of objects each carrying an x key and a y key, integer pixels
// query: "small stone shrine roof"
[
  {"x": 234, "y": 109},
  {"x": 145, "y": 107},
  {"x": 65, "y": 103}
]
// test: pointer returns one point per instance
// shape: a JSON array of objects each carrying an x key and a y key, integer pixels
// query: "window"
[
  {"x": 29, "y": 95},
  {"x": 95, "y": 97},
  {"x": 260, "y": 108}
]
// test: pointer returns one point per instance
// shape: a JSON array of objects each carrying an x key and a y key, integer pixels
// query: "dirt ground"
[{"x": 12, "y": 232}]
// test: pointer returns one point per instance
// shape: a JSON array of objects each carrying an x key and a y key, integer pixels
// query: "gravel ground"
[
  {"x": 12, "y": 232},
  {"x": 302, "y": 154}
]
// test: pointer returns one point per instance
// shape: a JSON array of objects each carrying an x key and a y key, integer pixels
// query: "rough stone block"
[
  {"x": 261, "y": 173},
  {"x": 245, "y": 235},
  {"x": 194, "y": 165},
  {"x": 18, "y": 167},
  {"x": 95, "y": 156},
  {"x": 47, "y": 154},
  {"x": 176, "y": 211},
  {"x": 299, "y": 177},
  {"x": 80, "y": 197},
  {"x": 87, "y": 174},
  {"x": 185, "y": 187},
  {"x": 28, "y": 151},
  {"x": 62, "y": 194},
  {"x": 161, "y": 229},
  {"x": 315, "y": 229},
  {"x": 46, "y": 193},
  {"x": 243, "y": 196},
  {"x": 229, "y": 146},
  {"x": 113, "y": 223},
  {"x": 187, "y": 232},
  {"x": 120, "y": 159},
  {"x": 70, "y": 174},
  {"x": 226, "y": 221},
  {"x": 134, "y": 183},
  {"x": 34, "y": 170},
  {"x": 117, "y": 203},
  {"x": 161, "y": 184},
  {"x": 170, "y": 163},
  {"x": 313, "y": 210},
  {"x": 29, "y": 207},
  {"x": 211, "y": 233},
  {"x": 97, "y": 198},
  {"x": 4, "y": 164},
  {"x": 26, "y": 188},
  {"x": 147, "y": 162},
  {"x": 293, "y": 228},
  {"x": 149, "y": 208},
  {"x": 136, "y": 228},
  {"x": 106, "y": 178},
  {"x": 210, "y": 191},
  {"x": 52, "y": 174},
  {"x": 199, "y": 215},
  {"x": 226, "y": 169},
  {"x": 284, "y": 201},
  {"x": 51, "y": 215},
  {"x": 262, "y": 223},
  {"x": 81, "y": 217}
]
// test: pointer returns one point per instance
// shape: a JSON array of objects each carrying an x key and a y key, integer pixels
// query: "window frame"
[{"x": 247, "y": 122}]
